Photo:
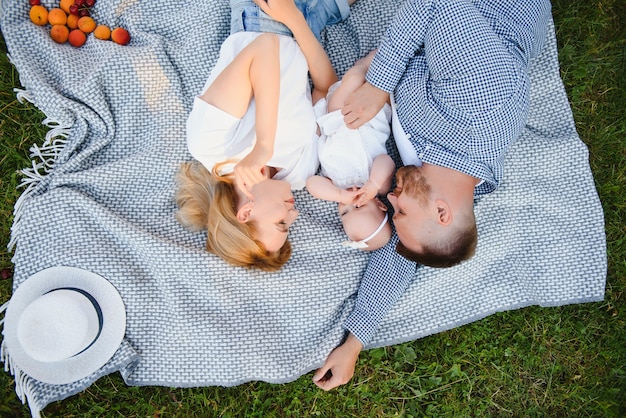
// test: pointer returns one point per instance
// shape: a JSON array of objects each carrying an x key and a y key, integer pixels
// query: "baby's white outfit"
[
  {"x": 346, "y": 155},
  {"x": 214, "y": 136}
]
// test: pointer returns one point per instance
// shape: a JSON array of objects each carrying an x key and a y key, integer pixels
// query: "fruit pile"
[{"x": 72, "y": 22}]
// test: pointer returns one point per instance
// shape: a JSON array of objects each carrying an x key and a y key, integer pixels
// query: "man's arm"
[
  {"x": 351, "y": 80},
  {"x": 386, "y": 277},
  {"x": 403, "y": 39}
]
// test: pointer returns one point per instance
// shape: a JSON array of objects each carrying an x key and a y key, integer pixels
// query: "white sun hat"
[{"x": 63, "y": 323}]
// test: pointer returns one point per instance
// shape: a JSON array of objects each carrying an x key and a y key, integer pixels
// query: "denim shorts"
[{"x": 247, "y": 17}]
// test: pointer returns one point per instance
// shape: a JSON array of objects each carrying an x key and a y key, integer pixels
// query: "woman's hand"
[
  {"x": 252, "y": 170},
  {"x": 283, "y": 11}
]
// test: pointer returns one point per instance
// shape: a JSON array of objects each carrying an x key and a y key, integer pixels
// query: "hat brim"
[{"x": 90, "y": 360}]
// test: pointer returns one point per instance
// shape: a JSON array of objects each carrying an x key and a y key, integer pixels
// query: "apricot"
[
  {"x": 59, "y": 33},
  {"x": 72, "y": 21},
  {"x": 38, "y": 15},
  {"x": 57, "y": 16},
  {"x": 86, "y": 24},
  {"x": 65, "y": 5},
  {"x": 77, "y": 38},
  {"x": 102, "y": 32},
  {"x": 120, "y": 36}
]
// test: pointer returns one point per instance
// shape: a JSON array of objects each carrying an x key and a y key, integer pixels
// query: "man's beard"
[{"x": 410, "y": 180}]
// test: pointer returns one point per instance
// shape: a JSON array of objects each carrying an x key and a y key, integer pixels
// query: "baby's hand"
[
  {"x": 348, "y": 196},
  {"x": 366, "y": 193}
]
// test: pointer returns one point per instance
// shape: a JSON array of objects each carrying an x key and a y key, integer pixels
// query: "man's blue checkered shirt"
[{"x": 458, "y": 70}]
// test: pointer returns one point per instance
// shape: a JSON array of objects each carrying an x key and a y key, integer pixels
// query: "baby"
[{"x": 355, "y": 166}]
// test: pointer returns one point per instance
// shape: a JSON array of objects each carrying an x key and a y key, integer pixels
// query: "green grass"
[{"x": 535, "y": 362}]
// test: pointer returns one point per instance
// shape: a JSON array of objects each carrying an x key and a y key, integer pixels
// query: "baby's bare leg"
[{"x": 351, "y": 80}]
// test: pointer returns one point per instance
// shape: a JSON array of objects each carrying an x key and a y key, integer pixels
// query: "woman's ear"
[
  {"x": 245, "y": 212},
  {"x": 444, "y": 214}
]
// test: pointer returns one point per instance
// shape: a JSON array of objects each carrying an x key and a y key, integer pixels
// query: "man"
[{"x": 457, "y": 73}]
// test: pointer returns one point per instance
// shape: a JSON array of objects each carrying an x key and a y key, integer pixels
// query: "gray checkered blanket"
[{"x": 99, "y": 196}]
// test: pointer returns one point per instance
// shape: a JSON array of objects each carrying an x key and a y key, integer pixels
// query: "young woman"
[{"x": 252, "y": 130}]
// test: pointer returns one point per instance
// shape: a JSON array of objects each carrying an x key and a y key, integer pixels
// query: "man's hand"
[
  {"x": 339, "y": 366},
  {"x": 362, "y": 105}
]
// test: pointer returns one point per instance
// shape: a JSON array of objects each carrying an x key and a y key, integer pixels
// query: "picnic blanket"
[{"x": 100, "y": 196}]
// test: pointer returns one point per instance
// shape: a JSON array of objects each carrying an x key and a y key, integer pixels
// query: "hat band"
[{"x": 96, "y": 306}]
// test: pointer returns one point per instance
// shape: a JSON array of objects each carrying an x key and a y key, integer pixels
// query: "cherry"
[{"x": 6, "y": 274}]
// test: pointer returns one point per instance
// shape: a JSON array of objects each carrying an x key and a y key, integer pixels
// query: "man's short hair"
[{"x": 446, "y": 250}]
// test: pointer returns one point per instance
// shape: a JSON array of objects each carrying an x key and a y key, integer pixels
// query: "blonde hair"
[{"x": 207, "y": 200}]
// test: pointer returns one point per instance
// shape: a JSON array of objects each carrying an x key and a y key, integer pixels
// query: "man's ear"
[
  {"x": 244, "y": 212},
  {"x": 444, "y": 214}
]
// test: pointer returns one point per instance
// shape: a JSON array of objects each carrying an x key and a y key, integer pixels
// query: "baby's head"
[{"x": 367, "y": 226}]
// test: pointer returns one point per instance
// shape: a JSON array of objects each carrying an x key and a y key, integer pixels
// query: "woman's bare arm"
[{"x": 321, "y": 70}]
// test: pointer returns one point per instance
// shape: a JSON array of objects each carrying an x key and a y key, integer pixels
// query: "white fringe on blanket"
[
  {"x": 42, "y": 163},
  {"x": 23, "y": 383}
]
